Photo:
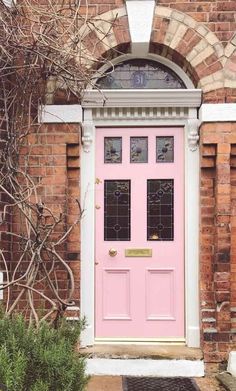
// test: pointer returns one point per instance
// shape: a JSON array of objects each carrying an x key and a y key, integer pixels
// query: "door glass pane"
[
  {"x": 138, "y": 149},
  {"x": 117, "y": 210},
  {"x": 160, "y": 209},
  {"x": 165, "y": 149},
  {"x": 113, "y": 150}
]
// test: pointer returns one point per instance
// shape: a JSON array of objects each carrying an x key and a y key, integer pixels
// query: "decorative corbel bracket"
[
  {"x": 87, "y": 134},
  {"x": 193, "y": 133}
]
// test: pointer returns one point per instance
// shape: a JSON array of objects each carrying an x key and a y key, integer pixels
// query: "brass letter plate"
[{"x": 138, "y": 252}]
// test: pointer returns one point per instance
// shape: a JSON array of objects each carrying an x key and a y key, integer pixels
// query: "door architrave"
[{"x": 141, "y": 108}]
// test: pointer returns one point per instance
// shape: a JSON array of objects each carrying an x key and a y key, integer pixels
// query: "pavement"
[
  {"x": 227, "y": 380},
  {"x": 114, "y": 383}
]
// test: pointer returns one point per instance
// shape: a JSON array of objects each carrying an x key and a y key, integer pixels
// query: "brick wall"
[
  {"x": 218, "y": 15},
  {"x": 51, "y": 156},
  {"x": 218, "y": 238},
  {"x": 97, "y": 7}
]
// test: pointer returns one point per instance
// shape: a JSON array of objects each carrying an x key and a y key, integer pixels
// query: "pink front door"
[{"x": 139, "y": 233}]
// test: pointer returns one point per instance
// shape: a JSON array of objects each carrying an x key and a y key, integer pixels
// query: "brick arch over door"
[
  {"x": 191, "y": 45},
  {"x": 175, "y": 35}
]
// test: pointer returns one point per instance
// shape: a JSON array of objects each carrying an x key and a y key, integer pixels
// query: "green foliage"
[{"x": 42, "y": 359}]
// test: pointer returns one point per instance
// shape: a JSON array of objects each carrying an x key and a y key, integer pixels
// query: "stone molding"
[
  {"x": 142, "y": 98},
  {"x": 87, "y": 134},
  {"x": 193, "y": 133},
  {"x": 140, "y": 16}
]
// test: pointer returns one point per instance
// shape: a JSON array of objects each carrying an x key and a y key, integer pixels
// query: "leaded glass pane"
[
  {"x": 165, "y": 149},
  {"x": 117, "y": 210},
  {"x": 160, "y": 209},
  {"x": 139, "y": 74},
  {"x": 138, "y": 149},
  {"x": 113, "y": 150}
]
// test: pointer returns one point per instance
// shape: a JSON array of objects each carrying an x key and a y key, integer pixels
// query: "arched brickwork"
[
  {"x": 191, "y": 45},
  {"x": 109, "y": 32},
  {"x": 179, "y": 37}
]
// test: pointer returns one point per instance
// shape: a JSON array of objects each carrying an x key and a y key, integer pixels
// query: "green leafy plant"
[{"x": 40, "y": 359}]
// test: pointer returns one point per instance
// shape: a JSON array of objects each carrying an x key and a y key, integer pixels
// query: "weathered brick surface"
[
  {"x": 102, "y": 6},
  {"x": 53, "y": 161},
  {"x": 217, "y": 250},
  {"x": 217, "y": 15}
]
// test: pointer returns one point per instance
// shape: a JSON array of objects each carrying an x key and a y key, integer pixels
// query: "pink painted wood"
[{"x": 140, "y": 297}]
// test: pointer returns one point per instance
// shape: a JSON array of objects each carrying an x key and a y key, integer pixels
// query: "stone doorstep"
[
  {"x": 137, "y": 351},
  {"x": 144, "y": 367},
  {"x": 227, "y": 380},
  {"x": 143, "y": 360}
]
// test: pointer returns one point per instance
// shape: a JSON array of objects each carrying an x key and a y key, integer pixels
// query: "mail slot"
[{"x": 138, "y": 252}]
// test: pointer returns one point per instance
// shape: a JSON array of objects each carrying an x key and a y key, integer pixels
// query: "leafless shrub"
[{"x": 43, "y": 50}]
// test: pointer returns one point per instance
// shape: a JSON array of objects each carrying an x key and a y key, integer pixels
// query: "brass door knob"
[{"x": 112, "y": 252}]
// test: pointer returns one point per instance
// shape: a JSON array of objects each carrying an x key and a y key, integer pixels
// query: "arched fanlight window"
[{"x": 140, "y": 74}]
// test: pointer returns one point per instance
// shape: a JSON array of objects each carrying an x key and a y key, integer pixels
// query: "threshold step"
[
  {"x": 152, "y": 351},
  {"x": 145, "y": 367}
]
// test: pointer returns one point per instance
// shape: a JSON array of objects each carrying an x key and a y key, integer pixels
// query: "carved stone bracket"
[
  {"x": 87, "y": 134},
  {"x": 193, "y": 133}
]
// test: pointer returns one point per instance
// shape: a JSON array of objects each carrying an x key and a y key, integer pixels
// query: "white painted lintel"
[
  {"x": 218, "y": 112},
  {"x": 60, "y": 114}
]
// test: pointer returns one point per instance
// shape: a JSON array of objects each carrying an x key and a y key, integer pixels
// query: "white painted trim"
[
  {"x": 145, "y": 367},
  {"x": 100, "y": 116},
  {"x": 60, "y": 114},
  {"x": 192, "y": 203},
  {"x": 150, "y": 56},
  {"x": 140, "y": 17},
  {"x": 142, "y": 98},
  {"x": 88, "y": 237},
  {"x": 138, "y": 341},
  {"x": 231, "y": 368},
  {"x": 9, "y": 3},
  {"x": 221, "y": 112}
]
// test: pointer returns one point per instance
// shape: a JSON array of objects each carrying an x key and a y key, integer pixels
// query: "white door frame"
[{"x": 141, "y": 108}]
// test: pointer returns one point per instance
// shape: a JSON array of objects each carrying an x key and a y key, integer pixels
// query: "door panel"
[
  {"x": 116, "y": 306},
  {"x": 140, "y": 208},
  {"x": 160, "y": 294}
]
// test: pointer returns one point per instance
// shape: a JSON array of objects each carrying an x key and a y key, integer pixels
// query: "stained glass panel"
[
  {"x": 160, "y": 209},
  {"x": 138, "y": 149},
  {"x": 117, "y": 210},
  {"x": 113, "y": 150},
  {"x": 139, "y": 74},
  {"x": 165, "y": 149}
]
